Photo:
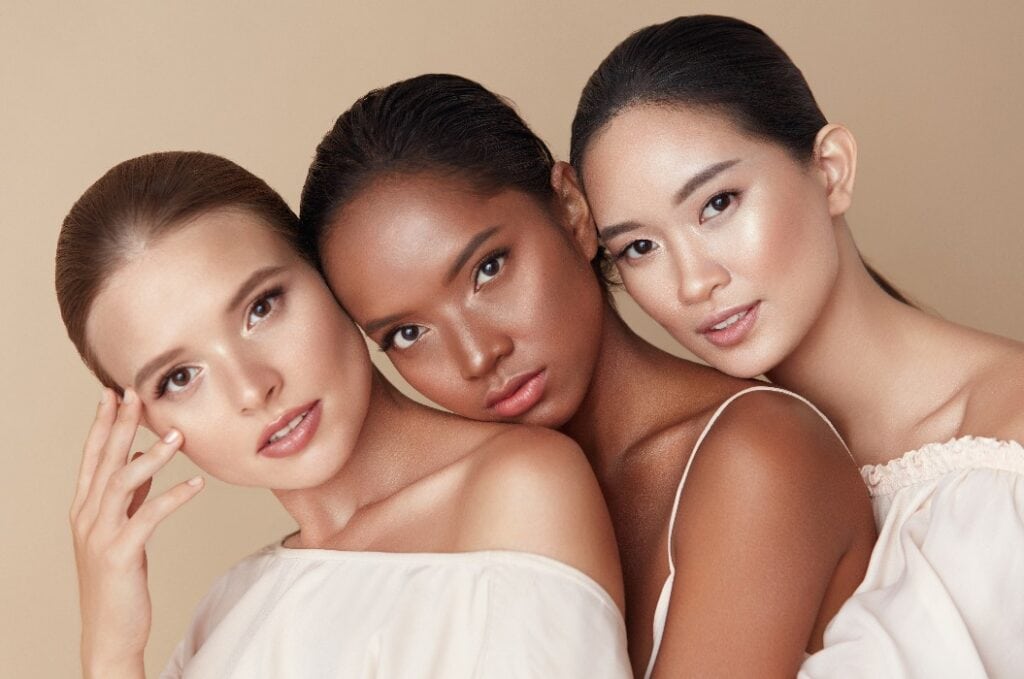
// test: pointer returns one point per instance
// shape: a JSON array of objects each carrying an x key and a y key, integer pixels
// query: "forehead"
[
  {"x": 402, "y": 234},
  {"x": 176, "y": 282}
]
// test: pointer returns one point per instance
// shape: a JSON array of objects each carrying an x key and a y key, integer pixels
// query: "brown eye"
[
  {"x": 717, "y": 205},
  {"x": 490, "y": 268},
  {"x": 263, "y": 306},
  {"x": 639, "y": 248},
  {"x": 177, "y": 380},
  {"x": 405, "y": 337}
]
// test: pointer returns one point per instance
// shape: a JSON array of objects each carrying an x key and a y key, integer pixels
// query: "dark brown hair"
[
  {"x": 438, "y": 123},
  {"x": 138, "y": 201},
  {"x": 709, "y": 62}
]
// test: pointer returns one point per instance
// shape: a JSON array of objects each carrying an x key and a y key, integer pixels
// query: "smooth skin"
[
  {"x": 770, "y": 229},
  {"x": 470, "y": 292},
  {"x": 254, "y": 333}
]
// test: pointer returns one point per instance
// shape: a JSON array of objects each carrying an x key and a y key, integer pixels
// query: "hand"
[{"x": 111, "y": 520}]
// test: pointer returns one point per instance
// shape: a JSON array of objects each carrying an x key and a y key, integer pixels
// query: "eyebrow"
[
  {"x": 703, "y": 177},
  {"x": 471, "y": 247},
  {"x": 151, "y": 367},
  {"x": 244, "y": 290},
  {"x": 251, "y": 283}
]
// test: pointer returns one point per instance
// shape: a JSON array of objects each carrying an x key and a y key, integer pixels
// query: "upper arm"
[
  {"x": 533, "y": 491},
  {"x": 771, "y": 505}
]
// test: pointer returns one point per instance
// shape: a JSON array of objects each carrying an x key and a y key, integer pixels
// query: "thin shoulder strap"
[{"x": 661, "y": 611}]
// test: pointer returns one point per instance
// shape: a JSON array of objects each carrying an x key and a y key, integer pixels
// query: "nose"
[
  {"x": 254, "y": 381},
  {"x": 699, "y": 276},
  {"x": 479, "y": 347}
]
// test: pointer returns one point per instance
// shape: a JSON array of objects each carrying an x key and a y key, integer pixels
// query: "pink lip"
[
  {"x": 736, "y": 332},
  {"x": 297, "y": 439},
  {"x": 519, "y": 394}
]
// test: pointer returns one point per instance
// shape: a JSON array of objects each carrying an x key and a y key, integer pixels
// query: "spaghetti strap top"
[{"x": 661, "y": 610}]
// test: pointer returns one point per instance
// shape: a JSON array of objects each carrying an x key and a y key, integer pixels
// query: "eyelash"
[
  {"x": 266, "y": 296},
  {"x": 499, "y": 254},
  {"x": 731, "y": 195}
]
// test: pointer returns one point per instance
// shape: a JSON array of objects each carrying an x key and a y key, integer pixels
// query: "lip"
[
  {"x": 519, "y": 394},
  {"x": 736, "y": 332},
  {"x": 297, "y": 439}
]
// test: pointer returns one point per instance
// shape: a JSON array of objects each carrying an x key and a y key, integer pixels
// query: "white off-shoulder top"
[
  {"x": 944, "y": 591},
  {"x": 314, "y": 613}
]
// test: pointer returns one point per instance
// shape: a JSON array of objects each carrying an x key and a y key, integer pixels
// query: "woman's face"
[
  {"x": 230, "y": 337},
  {"x": 485, "y": 304},
  {"x": 725, "y": 240}
]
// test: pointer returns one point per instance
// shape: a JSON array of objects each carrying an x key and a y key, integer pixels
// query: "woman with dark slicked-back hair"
[
  {"x": 427, "y": 545},
  {"x": 447, "y": 230},
  {"x": 720, "y": 191}
]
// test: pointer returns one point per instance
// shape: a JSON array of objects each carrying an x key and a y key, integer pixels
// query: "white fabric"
[
  {"x": 311, "y": 613},
  {"x": 944, "y": 591},
  {"x": 661, "y": 610}
]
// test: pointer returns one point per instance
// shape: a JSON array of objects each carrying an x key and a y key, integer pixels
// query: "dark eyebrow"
[
  {"x": 151, "y": 367},
  {"x": 703, "y": 177},
  {"x": 251, "y": 283},
  {"x": 244, "y": 291},
  {"x": 375, "y": 325},
  {"x": 467, "y": 252}
]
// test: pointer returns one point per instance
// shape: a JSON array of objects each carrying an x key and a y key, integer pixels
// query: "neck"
[
  {"x": 863, "y": 361},
  {"x": 615, "y": 412},
  {"x": 376, "y": 468}
]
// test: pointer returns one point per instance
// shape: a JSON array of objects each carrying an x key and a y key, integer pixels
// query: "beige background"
[{"x": 931, "y": 89}]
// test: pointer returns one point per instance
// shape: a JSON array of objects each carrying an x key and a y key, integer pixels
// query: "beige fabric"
[
  {"x": 310, "y": 613},
  {"x": 944, "y": 591}
]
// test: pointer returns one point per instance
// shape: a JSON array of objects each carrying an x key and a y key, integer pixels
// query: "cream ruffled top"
[
  {"x": 312, "y": 613},
  {"x": 944, "y": 591}
]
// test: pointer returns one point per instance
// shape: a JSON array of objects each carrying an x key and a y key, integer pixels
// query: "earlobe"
[
  {"x": 575, "y": 212},
  {"x": 835, "y": 155}
]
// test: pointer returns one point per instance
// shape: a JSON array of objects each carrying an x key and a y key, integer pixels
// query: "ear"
[
  {"x": 575, "y": 211},
  {"x": 835, "y": 155}
]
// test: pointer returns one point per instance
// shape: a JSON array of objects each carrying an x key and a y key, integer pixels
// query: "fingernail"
[
  {"x": 172, "y": 436},
  {"x": 195, "y": 481},
  {"x": 129, "y": 396}
]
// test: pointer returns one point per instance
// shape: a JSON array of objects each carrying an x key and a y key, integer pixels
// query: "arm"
[
  {"x": 533, "y": 491},
  {"x": 772, "y": 504},
  {"x": 110, "y": 524}
]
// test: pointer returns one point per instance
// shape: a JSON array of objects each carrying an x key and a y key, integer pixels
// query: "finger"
[
  {"x": 126, "y": 482},
  {"x": 140, "y": 494},
  {"x": 115, "y": 451},
  {"x": 141, "y": 526},
  {"x": 98, "y": 433}
]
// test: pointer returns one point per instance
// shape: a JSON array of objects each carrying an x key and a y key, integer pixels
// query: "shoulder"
[
  {"x": 531, "y": 489},
  {"x": 772, "y": 454},
  {"x": 994, "y": 403}
]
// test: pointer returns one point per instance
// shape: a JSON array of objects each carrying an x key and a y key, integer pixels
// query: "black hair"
[
  {"x": 436, "y": 122},
  {"x": 707, "y": 62}
]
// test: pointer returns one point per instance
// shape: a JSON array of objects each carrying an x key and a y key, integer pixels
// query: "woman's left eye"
[
  {"x": 177, "y": 380},
  {"x": 717, "y": 205},
  {"x": 262, "y": 307},
  {"x": 489, "y": 268}
]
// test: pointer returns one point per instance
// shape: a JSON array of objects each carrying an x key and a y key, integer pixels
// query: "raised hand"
[{"x": 111, "y": 521}]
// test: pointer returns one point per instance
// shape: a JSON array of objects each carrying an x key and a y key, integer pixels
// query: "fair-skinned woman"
[
  {"x": 427, "y": 545},
  {"x": 720, "y": 191},
  {"x": 449, "y": 233}
]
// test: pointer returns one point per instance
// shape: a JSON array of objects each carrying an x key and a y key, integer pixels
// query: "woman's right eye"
[
  {"x": 638, "y": 249},
  {"x": 176, "y": 381},
  {"x": 404, "y": 337}
]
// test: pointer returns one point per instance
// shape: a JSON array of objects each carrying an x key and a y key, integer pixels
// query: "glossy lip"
[
  {"x": 519, "y": 394},
  {"x": 735, "y": 333},
  {"x": 297, "y": 438}
]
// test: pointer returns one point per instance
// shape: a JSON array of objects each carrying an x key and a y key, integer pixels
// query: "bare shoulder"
[
  {"x": 995, "y": 404},
  {"x": 531, "y": 489},
  {"x": 773, "y": 452}
]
